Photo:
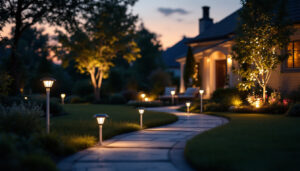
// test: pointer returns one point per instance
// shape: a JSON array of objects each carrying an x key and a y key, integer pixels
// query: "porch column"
[{"x": 182, "y": 88}]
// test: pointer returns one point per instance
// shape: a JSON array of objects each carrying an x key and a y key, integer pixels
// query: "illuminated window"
[{"x": 294, "y": 58}]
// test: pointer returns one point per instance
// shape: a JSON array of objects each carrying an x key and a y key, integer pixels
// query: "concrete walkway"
[{"x": 151, "y": 149}]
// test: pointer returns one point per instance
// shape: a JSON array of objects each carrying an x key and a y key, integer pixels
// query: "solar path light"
[
  {"x": 100, "y": 120},
  {"x": 48, "y": 82}
]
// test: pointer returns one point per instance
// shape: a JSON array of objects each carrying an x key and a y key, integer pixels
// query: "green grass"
[
  {"x": 248, "y": 142},
  {"x": 79, "y": 128}
]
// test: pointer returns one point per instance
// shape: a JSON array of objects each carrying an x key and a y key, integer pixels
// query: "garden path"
[{"x": 160, "y": 148}]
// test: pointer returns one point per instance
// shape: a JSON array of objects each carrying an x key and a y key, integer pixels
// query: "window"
[{"x": 293, "y": 60}]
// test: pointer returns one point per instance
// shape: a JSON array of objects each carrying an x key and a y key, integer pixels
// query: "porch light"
[{"x": 146, "y": 99}]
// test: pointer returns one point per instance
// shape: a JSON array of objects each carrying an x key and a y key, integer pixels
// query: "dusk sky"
[{"x": 172, "y": 19}]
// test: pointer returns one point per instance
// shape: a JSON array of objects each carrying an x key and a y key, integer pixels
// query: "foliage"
[
  {"x": 261, "y": 37},
  {"x": 267, "y": 109},
  {"x": 151, "y": 57},
  {"x": 294, "y": 110},
  {"x": 76, "y": 99},
  {"x": 106, "y": 34},
  {"x": 24, "y": 14},
  {"x": 19, "y": 153},
  {"x": 117, "y": 99},
  {"x": 22, "y": 119},
  {"x": 38, "y": 162},
  {"x": 82, "y": 88},
  {"x": 145, "y": 104},
  {"x": 129, "y": 95},
  {"x": 5, "y": 83},
  {"x": 215, "y": 107},
  {"x": 159, "y": 80},
  {"x": 227, "y": 96},
  {"x": 189, "y": 67},
  {"x": 274, "y": 98}
]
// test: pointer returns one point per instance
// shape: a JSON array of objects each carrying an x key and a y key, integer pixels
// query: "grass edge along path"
[
  {"x": 247, "y": 142},
  {"x": 79, "y": 129}
]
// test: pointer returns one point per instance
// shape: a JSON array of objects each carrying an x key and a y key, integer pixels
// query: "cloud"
[{"x": 170, "y": 11}]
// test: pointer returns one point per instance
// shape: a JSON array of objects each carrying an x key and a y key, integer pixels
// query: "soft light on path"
[{"x": 158, "y": 148}]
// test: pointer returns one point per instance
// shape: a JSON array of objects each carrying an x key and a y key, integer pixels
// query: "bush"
[
  {"x": 20, "y": 153},
  {"x": 117, "y": 99},
  {"x": 51, "y": 143},
  {"x": 37, "y": 162},
  {"x": 267, "y": 109},
  {"x": 129, "y": 95},
  {"x": 294, "y": 110},
  {"x": 22, "y": 119},
  {"x": 145, "y": 104},
  {"x": 82, "y": 88},
  {"x": 55, "y": 107},
  {"x": 228, "y": 96},
  {"x": 76, "y": 99},
  {"x": 215, "y": 107}
]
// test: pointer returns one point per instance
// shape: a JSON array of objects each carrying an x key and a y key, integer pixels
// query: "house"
[{"x": 212, "y": 49}]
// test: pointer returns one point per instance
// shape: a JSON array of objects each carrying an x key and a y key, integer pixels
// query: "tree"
[
  {"x": 189, "y": 67},
  {"x": 151, "y": 55},
  {"x": 33, "y": 45},
  {"x": 261, "y": 37},
  {"x": 106, "y": 35},
  {"x": 24, "y": 14}
]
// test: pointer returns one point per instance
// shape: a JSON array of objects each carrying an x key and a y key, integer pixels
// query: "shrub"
[
  {"x": 294, "y": 110},
  {"x": 51, "y": 143},
  {"x": 129, "y": 95},
  {"x": 267, "y": 109},
  {"x": 19, "y": 153},
  {"x": 76, "y": 99},
  {"x": 55, "y": 107},
  {"x": 145, "y": 104},
  {"x": 82, "y": 88},
  {"x": 159, "y": 79},
  {"x": 22, "y": 119},
  {"x": 37, "y": 162},
  {"x": 228, "y": 96},
  {"x": 215, "y": 107},
  {"x": 117, "y": 99}
]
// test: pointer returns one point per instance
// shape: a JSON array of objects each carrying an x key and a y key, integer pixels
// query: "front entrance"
[{"x": 220, "y": 73}]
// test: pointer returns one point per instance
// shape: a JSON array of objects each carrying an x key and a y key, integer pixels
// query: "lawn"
[
  {"x": 79, "y": 128},
  {"x": 248, "y": 142}
]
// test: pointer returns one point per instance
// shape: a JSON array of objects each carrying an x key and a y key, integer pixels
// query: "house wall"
[{"x": 286, "y": 81}]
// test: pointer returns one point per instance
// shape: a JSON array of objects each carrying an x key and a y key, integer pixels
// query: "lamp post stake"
[
  {"x": 48, "y": 110},
  {"x": 100, "y": 134}
]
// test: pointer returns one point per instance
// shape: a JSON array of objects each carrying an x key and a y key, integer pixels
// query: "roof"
[
  {"x": 219, "y": 30},
  {"x": 171, "y": 54},
  {"x": 228, "y": 25}
]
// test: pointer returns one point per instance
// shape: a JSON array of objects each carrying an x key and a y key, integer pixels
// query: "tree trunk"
[
  {"x": 264, "y": 93},
  {"x": 97, "y": 94}
]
